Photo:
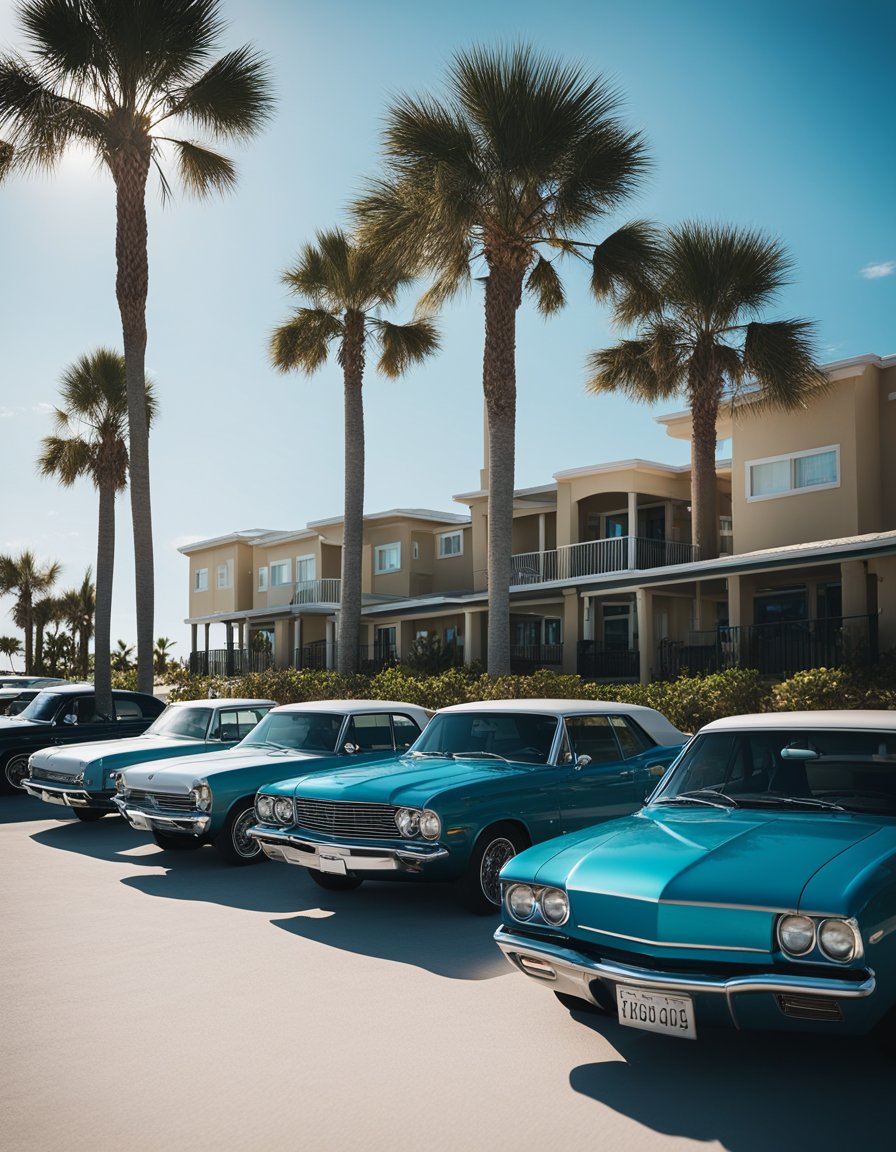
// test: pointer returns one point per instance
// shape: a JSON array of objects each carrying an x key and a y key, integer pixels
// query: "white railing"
[
  {"x": 318, "y": 591},
  {"x": 617, "y": 554}
]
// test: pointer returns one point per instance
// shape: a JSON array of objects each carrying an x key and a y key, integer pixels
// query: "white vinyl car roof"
[
  {"x": 843, "y": 718},
  {"x": 654, "y": 723}
]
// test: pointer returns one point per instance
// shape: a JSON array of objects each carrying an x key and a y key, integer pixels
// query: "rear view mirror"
[{"x": 791, "y": 753}]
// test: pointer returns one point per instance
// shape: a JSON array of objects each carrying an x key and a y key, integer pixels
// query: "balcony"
[
  {"x": 228, "y": 662},
  {"x": 327, "y": 591},
  {"x": 597, "y": 557}
]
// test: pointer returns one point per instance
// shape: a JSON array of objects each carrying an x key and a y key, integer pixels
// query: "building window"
[
  {"x": 305, "y": 569},
  {"x": 796, "y": 472},
  {"x": 415, "y": 550},
  {"x": 263, "y": 579},
  {"x": 224, "y": 575},
  {"x": 386, "y": 558},
  {"x": 280, "y": 573},
  {"x": 200, "y": 581},
  {"x": 451, "y": 544}
]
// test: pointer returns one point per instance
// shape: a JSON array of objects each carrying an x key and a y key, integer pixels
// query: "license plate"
[
  {"x": 334, "y": 864},
  {"x": 656, "y": 1012}
]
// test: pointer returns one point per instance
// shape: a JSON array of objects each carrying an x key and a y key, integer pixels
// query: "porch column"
[
  {"x": 736, "y": 640},
  {"x": 854, "y": 585},
  {"x": 633, "y": 529},
  {"x": 207, "y": 630},
  {"x": 331, "y": 641},
  {"x": 405, "y": 634},
  {"x": 884, "y": 572},
  {"x": 297, "y": 642},
  {"x": 229, "y": 628},
  {"x": 644, "y": 602},
  {"x": 698, "y": 606},
  {"x": 472, "y": 637},
  {"x": 541, "y": 539},
  {"x": 588, "y": 622},
  {"x": 570, "y": 630}
]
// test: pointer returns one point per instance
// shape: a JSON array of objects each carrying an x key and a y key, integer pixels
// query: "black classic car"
[{"x": 66, "y": 714}]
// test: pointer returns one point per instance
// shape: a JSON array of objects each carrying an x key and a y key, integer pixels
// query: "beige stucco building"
[{"x": 605, "y": 580}]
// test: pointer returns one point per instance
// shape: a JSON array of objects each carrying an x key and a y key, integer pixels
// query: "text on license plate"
[{"x": 656, "y": 1012}]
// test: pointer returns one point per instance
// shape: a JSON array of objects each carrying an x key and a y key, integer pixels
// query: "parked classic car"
[
  {"x": 66, "y": 714},
  {"x": 185, "y": 804},
  {"x": 83, "y": 777},
  {"x": 481, "y": 783},
  {"x": 756, "y": 889},
  {"x": 14, "y": 688}
]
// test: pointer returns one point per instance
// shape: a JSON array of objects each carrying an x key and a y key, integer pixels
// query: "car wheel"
[
  {"x": 15, "y": 770},
  {"x": 233, "y": 843},
  {"x": 171, "y": 842},
  {"x": 481, "y": 887},
  {"x": 334, "y": 883},
  {"x": 89, "y": 815},
  {"x": 575, "y": 1004}
]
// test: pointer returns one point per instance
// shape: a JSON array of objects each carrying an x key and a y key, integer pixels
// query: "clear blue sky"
[{"x": 774, "y": 115}]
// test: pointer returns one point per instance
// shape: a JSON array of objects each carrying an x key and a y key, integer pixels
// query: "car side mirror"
[
  {"x": 581, "y": 762},
  {"x": 70, "y": 718},
  {"x": 350, "y": 748}
]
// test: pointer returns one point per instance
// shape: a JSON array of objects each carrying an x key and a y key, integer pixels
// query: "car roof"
[
  {"x": 79, "y": 690},
  {"x": 352, "y": 706},
  {"x": 844, "y": 718},
  {"x": 221, "y": 702},
  {"x": 654, "y": 723}
]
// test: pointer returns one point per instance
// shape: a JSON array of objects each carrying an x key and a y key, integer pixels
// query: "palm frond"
[
  {"x": 405, "y": 344},
  {"x": 202, "y": 170},
  {"x": 544, "y": 284},
  {"x": 630, "y": 368},
  {"x": 454, "y": 278},
  {"x": 780, "y": 358},
  {"x": 232, "y": 98},
  {"x": 63, "y": 36},
  {"x": 626, "y": 264},
  {"x": 304, "y": 341},
  {"x": 67, "y": 459}
]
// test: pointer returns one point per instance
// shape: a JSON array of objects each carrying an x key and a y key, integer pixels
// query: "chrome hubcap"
[
  {"x": 243, "y": 843},
  {"x": 17, "y": 770},
  {"x": 494, "y": 858}
]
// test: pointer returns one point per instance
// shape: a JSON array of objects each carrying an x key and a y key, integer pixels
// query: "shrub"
[{"x": 837, "y": 688}]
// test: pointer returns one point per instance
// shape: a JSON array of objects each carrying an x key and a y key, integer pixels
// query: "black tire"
[
  {"x": 15, "y": 770},
  {"x": 334, "y": 883},
  {"x": 233, "y": 843},
  {"x": 574, "y": 1004},
  {"x": 89, "y": 815},
  {"x": 172, "y": 842},
  {"x": 495, "y": 846}
]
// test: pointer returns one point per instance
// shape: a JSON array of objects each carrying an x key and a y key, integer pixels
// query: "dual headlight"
[
  {"x": 414, "y": 822},
  {"x": 201, "y": 795},
  {"x": 523, "y": 900},
  {"x": 837, "y": 940},
  {"x": 274, "y": 809}
]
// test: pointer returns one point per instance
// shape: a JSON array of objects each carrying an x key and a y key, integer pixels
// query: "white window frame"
[
  {"x": 262, "y": 585},
  {"x": 790, "y": 458},
  {"x": 200, "y": 580},
  {"x": 287, "y": 564},
  {"x": 415, "y": 550},
  {"x": 380, "y": 551},
  {"x": 446, "y": 536},
  {"x": 225, "y": 570},
  {"x": 303, "y": 559}
]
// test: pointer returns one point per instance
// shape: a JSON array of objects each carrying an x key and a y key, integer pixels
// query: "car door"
[
  {"x": 371, "y": 734},
  {"x": 608, "y": 786},
  {"x": 77, "y": 721},
  {"x": 130, "y": 718}
]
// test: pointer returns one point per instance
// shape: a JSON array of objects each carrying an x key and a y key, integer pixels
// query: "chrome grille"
[
  {"x": 161, "y": 801},
  {"x": 44, "y": 774},
  {"x": 339, "y": 818}
]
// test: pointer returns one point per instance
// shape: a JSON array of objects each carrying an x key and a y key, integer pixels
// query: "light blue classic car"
[
  {"x": 756, "y": 889},
  {"x": 82, "y": 776},
  {"x": 481, "y": 783},
  {"x": 186, "y": 803}
]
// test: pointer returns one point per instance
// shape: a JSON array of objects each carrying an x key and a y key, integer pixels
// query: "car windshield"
[
  {"x": 43, "y": 707},
  {"x": 811, "y": 769},
  {"x": 178, "y": 721},
  {"x": 297, "y": 731},
  {"x": 525, "y": 736}
]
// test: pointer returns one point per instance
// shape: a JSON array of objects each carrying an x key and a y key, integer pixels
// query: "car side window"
[
  {"x": 593, "y": 736},
  {"x": 370, "y": 733},
  {"x": 405, "y": 730},
  {"x": 632, "y": 739},
  {"x": 236, "y": 723},
  {"x": 128, "y": 710}
]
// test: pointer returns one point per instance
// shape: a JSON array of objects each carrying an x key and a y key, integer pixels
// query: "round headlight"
[
  {"x": 796, "y": 934},
  {"x": 120, "y": 785},
  {"x": 430, "y": 825},
  {"x": 521, "y": 901},
  {"x": 408, "y": 821},
  {"x": 837, "y": 939},
  {"x": 264, "y": 808},
  {"x": 201, "y": 796},
  {"x": 554, "y": 905},
  {"x": 283, "y": 810}
]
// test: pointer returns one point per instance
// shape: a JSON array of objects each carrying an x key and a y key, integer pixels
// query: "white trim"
[
  {"x": 277, "y": 564},
  {"x": 200, "y": 580},
  {"x": 300, "y": 559},
  {"x": 790, "y": 457},
  {"x": 261, "y": 583},
  {"x": 227, "y": 569},
  {"x": 443, "y": 536},
  {"x": 379, "y": 551}
]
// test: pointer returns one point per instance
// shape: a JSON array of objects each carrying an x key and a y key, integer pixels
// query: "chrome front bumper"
[
  {"x": 147, "y": 820},
  {"x": 565, "y": 970},
  {"x": 67, "y": 797},
  {"x": 342, "y": 858}
]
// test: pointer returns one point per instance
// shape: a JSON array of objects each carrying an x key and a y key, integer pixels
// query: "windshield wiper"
[
  {"x": 803, "y": 801},
  {"x": 698, "y": 796},
  {"x": 480, "y": 756},
  {"x": 438, "y": 755}
]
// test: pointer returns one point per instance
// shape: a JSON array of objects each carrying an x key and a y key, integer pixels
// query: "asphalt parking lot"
[{"x": 164, "y": 1000}]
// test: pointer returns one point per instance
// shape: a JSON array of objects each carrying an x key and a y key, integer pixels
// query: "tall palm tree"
[
  {"x": 348, "y": 284},
  {"x": 699, "y": 336},
  {"x": 44, "y": 611},
  {"x": 503, "y": 175},
  {"x": 10, "y": 646},
  {"x": 27, "y": 581},
  {"x": 92, "y": 440},
  {"x": 121, "y": 78},
  {"x": 79, "y": 608}
]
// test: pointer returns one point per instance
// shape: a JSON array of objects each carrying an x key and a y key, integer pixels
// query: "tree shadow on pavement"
[{"x": 749, "y": 1092}]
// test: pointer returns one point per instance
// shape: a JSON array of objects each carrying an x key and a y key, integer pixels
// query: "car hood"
[
  {"x": 9, "y": 724},
  {"x": 113, "y": 753},
  {"x": 180, "y": 774},
  {"x": 402, "y": 780}
]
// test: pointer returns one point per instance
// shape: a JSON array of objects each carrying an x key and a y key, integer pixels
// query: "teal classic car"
[
  {"x": 186, "y": 802},
  {"x": 82, "y": 776},
  {"x": 755, "y": 890},
  {"x": 481, "y": 783}
]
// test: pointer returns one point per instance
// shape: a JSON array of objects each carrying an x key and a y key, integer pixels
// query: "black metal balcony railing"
[
  {"x": 228, "y": 662},
  {"x": 526, "y": 658},
  {"x": 594, "y": 660}
]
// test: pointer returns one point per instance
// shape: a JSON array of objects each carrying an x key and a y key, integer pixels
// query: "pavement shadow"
[
  {"x": 747, "y": 1092},
  {"x": 24, "y": 809}
]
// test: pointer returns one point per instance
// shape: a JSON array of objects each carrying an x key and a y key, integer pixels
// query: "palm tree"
[
  {"x": 79, "y": 609},
  {"x": 162, "y": 654},
  {"x": 23, "y": 577},
  {"x": 522, "y": 155},
  {"x": 122, "y": 656},
  {"x": 91, "y": 440},
  {"x": 44, "y": 611},
  {"x": 347, "y": 284},
  {"x": 119, "y": 77},
  {"x": 10, "y": 646},
  {"x": 699, "y": 336}
]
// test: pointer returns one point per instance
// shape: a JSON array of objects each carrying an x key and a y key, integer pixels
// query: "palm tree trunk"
[
  {"x": 28, "y": 626},
  {"x": 349, "y": 631},
  {"x": 502, "y": 298},
  {"x": 130, "y": 166},
  {"x": 705, "y": 393},
  {"x": 105, "y": 565}
]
